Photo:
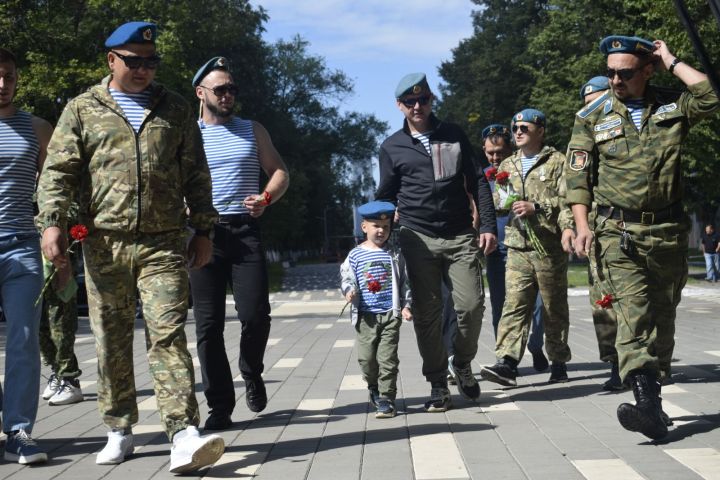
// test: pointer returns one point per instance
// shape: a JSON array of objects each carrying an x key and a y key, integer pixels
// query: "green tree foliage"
[
  {"x": 59, "y": 44},
  {"x": 493, "y": 74}
]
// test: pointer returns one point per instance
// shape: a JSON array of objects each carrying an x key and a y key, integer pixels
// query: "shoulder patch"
[
  {"x": 670, "y": 107},
  {"x": 578, "y": 160},
  {"x": 592, "y": 106}
]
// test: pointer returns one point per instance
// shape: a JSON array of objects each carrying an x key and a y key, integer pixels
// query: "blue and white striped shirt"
[
  {"x": 424, "y": 138},
  {"x": 133, "y": 105},
  {"x": 370, "y": 266},
  {"x": 19, "y": 150},
  {"x": 527, "y": 163},
  {"x": 635, "y": 109},
  {"x": 234, "y": 164}
]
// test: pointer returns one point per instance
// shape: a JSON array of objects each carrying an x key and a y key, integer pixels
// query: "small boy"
[{"x": 374, "y": 281}]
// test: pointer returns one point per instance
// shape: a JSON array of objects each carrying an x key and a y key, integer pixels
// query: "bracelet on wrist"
[
  {"x": 267, "y": 198},
  {"x": 674, "y": 64}
]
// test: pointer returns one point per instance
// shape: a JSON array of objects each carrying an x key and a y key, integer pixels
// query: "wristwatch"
[{"x": 674, "y": 63}]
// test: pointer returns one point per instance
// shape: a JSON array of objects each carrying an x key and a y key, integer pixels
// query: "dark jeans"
[{"x": 239, "y": 261}]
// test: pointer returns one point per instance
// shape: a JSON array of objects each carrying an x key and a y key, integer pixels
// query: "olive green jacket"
[
  {"x": 544, "y": 185},
  {"x": 125, "y": 181}
]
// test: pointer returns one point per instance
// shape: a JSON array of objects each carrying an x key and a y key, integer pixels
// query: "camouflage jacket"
[
  {"x": 545, "y": 185},
  {"x": 634, "y": 170},
  {"x": 125, "y": 181}
]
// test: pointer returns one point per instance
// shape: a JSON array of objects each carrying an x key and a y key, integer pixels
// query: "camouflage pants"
[
  {"x": 115, "y": 265},
  {"x": 378, "y": 339},
  {"x": 58, "y": 324},
  {"x": 603, "y": 318},
  {"x": 526, "y": 273},
  {"x": 646, "y": 287}
]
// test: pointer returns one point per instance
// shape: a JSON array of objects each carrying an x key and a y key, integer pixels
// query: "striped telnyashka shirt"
[
  {"x": 133, "y": 106},
  {"x": 232, "y": 156},
  {"x": 19, "y": 149},
  {"x": 373, "y": 266}
]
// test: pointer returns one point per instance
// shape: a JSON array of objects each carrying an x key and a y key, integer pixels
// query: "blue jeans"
[
  {"x": 21, "y": 280},
  {"x": 712, "y": 266},
  {"x": 496, "y": 284}
]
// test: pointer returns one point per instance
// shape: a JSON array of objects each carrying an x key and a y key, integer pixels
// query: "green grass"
[
  {"x": 276, "y": 272},
  {"x": 577, "y": 275}
]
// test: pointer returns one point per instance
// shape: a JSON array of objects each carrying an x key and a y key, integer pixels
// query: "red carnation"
[
  {"x": 374, "y": 286},
  {"x": 605, "y": 302},
  {"x": 502, "y": 178},
  {"x": 79, "y": 232},
  {"x": 490, "y": 174}
]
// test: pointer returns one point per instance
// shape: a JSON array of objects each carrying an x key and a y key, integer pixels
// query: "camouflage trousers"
[
  {"x": 378, "y": 339},
  {"x": 603, "y": 318},
  {"x": 116, "y": 264},
  {"x": 58, "y": 324},
  {"x": 526, "y": 273},
  {"x": 646, "y": 285}
]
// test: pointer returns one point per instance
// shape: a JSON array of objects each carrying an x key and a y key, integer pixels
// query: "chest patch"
[
  {"x": 608, "y": 123},
  {"x": 608, "y": 134},
  {"x": 670, "y": 107},
  {"x": 578, "y": 160}
]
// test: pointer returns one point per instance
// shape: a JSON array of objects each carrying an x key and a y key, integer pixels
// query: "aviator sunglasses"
[
  {"x": 410, "y": 102},
  {"x": 522, "y": 128},
  {"x": 134, "y": 62},
  {"x": 221, "y": 90},
  {"x": 625, "y": 74}
]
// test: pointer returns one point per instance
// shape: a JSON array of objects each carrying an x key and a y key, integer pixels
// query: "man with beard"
[
  {"x": 634, "y": 134},
  {"x": 236, "y": 149}
]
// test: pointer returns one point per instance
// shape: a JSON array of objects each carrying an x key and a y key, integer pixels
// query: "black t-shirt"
[{"x": 710, "y": 241}]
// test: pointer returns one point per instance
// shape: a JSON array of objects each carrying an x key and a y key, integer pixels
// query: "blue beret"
[
  {"x": 530, "y": 115},
  {"x": 132, "y": 32},
  {"x": 496, "y": 129},
  {"x": 595, "y": 84},
  {"x": 215, "y": 63},
  {"x": 377, "y": 210},
  {"x": 412, "y": 84},
  {"x": 623, "y": 44}
]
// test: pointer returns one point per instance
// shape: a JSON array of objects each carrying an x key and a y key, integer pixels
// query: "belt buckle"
[{"x": 650, "y": 218}]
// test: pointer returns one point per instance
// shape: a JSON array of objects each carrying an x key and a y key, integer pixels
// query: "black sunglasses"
[
  {"x": 134, "y": 62},
  {"x": 222, "y": 90},
  {"x": 522, "y": 128},
  {"x": 625, "y": 74},
  {"x": 410, "y": 102}
]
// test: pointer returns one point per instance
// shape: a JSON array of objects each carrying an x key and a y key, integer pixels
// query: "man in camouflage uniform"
[
  {"x": 603, "y": 318},
  {"x": 634, "y": 134},
  {"x": 130, "y": 151},
  {"x": 537, "y": 236}
]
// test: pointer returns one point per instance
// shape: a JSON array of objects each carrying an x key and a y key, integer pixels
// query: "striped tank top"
[
  {"x": 373, "y": 272},
  {"x": 232, "y": 157},
  {"x": 19, "y": 149}
]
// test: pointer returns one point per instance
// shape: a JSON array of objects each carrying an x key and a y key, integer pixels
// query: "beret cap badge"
[
  {"x": 221, "y": 62},
  {"x": 417, "y": 89},
  {"x": 147, "y": 34},
  {"x": 616, "y": 44}
]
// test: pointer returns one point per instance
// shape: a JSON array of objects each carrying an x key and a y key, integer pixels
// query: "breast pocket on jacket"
[{"x": 446, "y": 158}]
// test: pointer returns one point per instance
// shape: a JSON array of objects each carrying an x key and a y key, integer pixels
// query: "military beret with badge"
[
  {"x": 412, "y": 84},
  {"x": 132, "y": 32},
  {"x": 595, "y": 84},
  {"x": 215, "y": 63},
  {"x": 496, "y": 129},
  {"x": 377, "y": 210},
  {"x": 530, "y": 115},
  {"x": 624, "y": 44}
]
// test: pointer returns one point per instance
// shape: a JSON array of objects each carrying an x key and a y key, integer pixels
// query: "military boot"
[{"x": 646, "y": 415}]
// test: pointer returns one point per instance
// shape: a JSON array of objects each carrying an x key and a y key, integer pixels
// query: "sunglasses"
[
  {"x": 625, "y": 74},
  {"x": 134, "y": 62},
  {"x": 222, "y": 90},
  {"x": 410, "y": 102},
  {"x": 522, "y": 128}
]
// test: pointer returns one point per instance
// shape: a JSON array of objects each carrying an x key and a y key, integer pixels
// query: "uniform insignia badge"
[
  {"x": 608, "y": 134},
  {"x": 383, "y": 216},
  {"x": 147, "y": 34},
  {"x": 608, "y": 124},
  {"x": 578, "y": 160},
  {"x": 612, "y": 149},
  {"x": 417, "y": 89},
  {"x": 221, "y": 62},
  {"x": 670, "y": 107},
  {"x": 616, "y": 44},
  {"x": 518, "y": 117},
  {"x": 588, "y": 89}
]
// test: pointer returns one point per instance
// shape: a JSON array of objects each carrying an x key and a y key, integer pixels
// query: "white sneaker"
[
  {"x": 52, "y": 387},
  {"x": 192, "y": 452},
  {"x": 69, "y": 392},
  {"x": 118, "y": 446}
]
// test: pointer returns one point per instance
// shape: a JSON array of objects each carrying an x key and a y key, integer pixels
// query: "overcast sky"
[{"x": 375, "y": 42}]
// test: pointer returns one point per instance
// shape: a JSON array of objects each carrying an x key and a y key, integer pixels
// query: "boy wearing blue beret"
[{"x": 374, "y": 281}]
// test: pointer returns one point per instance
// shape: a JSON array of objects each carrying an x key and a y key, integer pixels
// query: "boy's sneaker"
[
  {"x": 440, "y": 400},
  {"x": 69, "y": 392},
  {"x": 192, "y": 452},
  {"x": 119, "y": 445},
  {"x": 52, "y": 387},
  {"x": 467, "y": 385},
  {"x": 385, "y": 408},
  {"x": 502, "y": 373},
  {"x": 558, "y": 373},
  {"x": 21, "y": 448},
  {"x": 373, "y": 396}
]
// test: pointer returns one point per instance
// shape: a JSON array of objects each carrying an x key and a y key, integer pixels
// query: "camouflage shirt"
[
  {"x": 125, "y": 181},
  {"x": 634, "y": 170},
  {"x": 544, "y": 184}
]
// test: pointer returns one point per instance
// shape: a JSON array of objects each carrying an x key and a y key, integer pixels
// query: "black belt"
[
  {"x": 671, "y": 213},
  {"x": 236, "y": 219}
]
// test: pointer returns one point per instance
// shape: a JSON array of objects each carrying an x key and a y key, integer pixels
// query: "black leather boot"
[{"x": 645, "y": 416}]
